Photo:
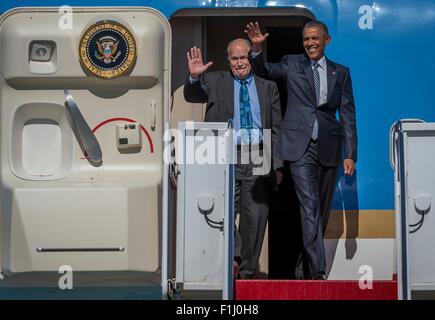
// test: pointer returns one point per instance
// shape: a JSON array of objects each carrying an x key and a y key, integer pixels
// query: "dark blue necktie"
[
  {"x": 245, "y": 112},
  {"x": 316, "y": 76}
]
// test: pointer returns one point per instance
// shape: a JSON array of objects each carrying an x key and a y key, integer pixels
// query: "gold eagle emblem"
[{"x": 107, "y": 50}]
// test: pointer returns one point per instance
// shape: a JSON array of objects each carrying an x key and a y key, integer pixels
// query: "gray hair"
[
  {"x": 316, "y": 24},
  {"x": 245, "y": 41}
]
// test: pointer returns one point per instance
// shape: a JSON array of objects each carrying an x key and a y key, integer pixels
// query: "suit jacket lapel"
[
  {"x": 227, "y": 91},
  {"x": 262, "y": 99},
  {"x": 306, "y": 64},
  {"x": 332, "y": 77}
]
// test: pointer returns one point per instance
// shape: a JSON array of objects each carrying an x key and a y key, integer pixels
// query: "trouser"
[
  {"x": 252, "y": 199},
  {"x": 315, "y": 187}
]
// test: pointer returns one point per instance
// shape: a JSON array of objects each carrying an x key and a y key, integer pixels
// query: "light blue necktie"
[
  {"x": 315, "y": 133},
  {"x": 245, "y": 112}
]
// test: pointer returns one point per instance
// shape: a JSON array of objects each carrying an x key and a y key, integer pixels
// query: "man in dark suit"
[
  {"x": 311, "y": 137},
  {"x": 253, "y": 105}
]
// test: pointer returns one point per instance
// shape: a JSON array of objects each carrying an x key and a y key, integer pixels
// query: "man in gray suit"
[
  {"x": 253, "y": 105},
  {"x": 311, "y": 137}
]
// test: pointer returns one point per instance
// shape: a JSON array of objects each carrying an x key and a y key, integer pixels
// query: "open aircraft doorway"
[{"x": 211, "y": 30}]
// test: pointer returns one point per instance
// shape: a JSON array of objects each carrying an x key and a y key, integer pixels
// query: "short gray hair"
[{"x": 245, "y": 41}]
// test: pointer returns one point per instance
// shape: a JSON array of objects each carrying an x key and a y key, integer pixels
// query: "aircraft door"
[{"x": 83, "y": 107}]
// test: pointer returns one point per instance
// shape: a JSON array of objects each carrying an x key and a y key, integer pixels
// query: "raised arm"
[
  {"x": 195, "y": 63},
  {"x": 255, "y": 36},
  {"x": 271, "y": 71},
  {"x": 194, "y": 91}
]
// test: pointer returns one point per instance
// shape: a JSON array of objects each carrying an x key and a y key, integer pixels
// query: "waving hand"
[
  {"x": 195, "y": 63},
  {"x": 255, "y": 35}
]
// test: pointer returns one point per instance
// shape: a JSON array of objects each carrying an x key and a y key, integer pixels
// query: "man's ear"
[{"x": 327, "y": 39}]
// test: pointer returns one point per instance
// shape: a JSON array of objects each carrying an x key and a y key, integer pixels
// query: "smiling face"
[
  {"x": 315, "y": 41},
  {"x": 238, "y": 56}
]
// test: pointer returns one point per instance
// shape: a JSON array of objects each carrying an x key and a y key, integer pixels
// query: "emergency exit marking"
[{"x": 150, "y": 141}]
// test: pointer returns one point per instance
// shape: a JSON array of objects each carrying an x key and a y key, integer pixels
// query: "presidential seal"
[{"x": 107, "y": 50}]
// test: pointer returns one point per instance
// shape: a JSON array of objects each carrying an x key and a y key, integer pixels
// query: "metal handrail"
[{"x": 393, "y": 129}]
